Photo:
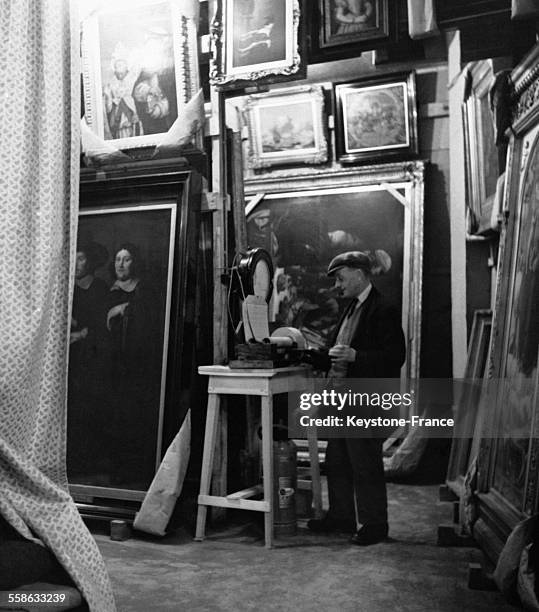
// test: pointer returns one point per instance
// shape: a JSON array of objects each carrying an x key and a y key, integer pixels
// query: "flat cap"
[
  {"x": 261, "y": 212},
  {"x": 350, "y": 259}
]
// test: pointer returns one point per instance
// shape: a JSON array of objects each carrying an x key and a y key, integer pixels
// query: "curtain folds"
[{"x": 39, "y": 157}]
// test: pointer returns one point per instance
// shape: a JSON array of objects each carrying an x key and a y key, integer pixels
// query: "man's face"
[
  {"x": 120, "y": 69},
  {"x": 80, "y": 265},
  {"x": 262, "y": 220},
  {"x": 350, "y": 282}
]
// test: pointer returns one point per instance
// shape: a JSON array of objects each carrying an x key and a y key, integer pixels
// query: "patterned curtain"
[{"x": 39, "y": 159}]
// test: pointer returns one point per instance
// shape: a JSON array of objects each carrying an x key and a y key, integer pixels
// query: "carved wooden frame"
[
  {"x": 224, "y": 75},
  {"x": 395, "y": 178},
  {"x": 497, "y": 515},
  {"x": 131, "y": 189},
  {"x": 315, "y": 154},
  {"x": 186, "y": 73},
  {"x": 479, "y": 140}
]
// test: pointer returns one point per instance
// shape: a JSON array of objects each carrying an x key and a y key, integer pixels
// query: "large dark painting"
[
  {"x": 304, "y": 231},
  {"x": 131, "y": 343},
  {"x": 118, "y": 353}
]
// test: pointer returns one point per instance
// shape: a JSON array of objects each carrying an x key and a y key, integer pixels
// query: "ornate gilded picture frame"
[
  {"x": 253, "y": 41},
  {"x": 306, "y": 219},
  {"x": 139, "y": 69},
  {"x": 376, "y": 118},
  {"x": 480, "y": 152},
  {"x": 286, "y": 127},
  {"x": 508, "y": 442}
]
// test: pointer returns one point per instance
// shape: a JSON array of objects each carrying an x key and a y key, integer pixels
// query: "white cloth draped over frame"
[
  {"x": 39, "y": 154},
  {"x": 421, "y": 19}
]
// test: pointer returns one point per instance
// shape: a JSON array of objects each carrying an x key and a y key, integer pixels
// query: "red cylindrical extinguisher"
[{"x": 284, "y": 487}]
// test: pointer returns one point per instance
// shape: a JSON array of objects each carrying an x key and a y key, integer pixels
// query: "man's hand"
[
  {"x": 341, "y": 353},
  {"x": 78, "y": 335},
  {"x": 116, "y": 311}
]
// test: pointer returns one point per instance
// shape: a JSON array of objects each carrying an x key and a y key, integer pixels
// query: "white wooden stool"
[{"x": 266, "y": 384}]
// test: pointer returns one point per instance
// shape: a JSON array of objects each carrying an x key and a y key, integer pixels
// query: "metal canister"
[
  {"x": 284, "y": 487},
  {"x": 119, "y": 530}
]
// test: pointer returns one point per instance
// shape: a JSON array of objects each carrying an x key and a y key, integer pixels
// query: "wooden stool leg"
[
  {"x": 210, "y": 439},
  {"x": 220, "y": 461},
  {"x": 315, "y": 471},
  {"x": 266, "y": 407}
]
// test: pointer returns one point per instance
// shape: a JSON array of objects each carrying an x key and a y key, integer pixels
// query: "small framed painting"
[
  {"x": 286, "y": 127},
  {"x": 254, "y": 40},
  {"x": 352, "y": 21},
  {"x": 376, "y": 118}
]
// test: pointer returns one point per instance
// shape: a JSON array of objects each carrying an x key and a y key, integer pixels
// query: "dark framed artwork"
[
  {"x": 481, "y": 153},
  {"x": 254, "y": 40},
  {"x": 303, "y": 221},
  {"x": 286, "y": 127},
  {"x": 352, "y": 21},
  {"x": 509, "y": 440},
  {"x": 139, "y": 67},
  {"x": 376, "y": 118},
  {"x": 129, "y": 355},
  {"x": 467, "y": 403}
]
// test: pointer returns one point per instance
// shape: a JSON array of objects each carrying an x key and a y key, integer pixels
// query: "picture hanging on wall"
[
  {"x": 139, "y": 67},
  {"x": 352, "y": 21},
  {"x": 480, "y": 152},
  {"x": 286, "y": 127},
  {"x": 376, "y": 118},
  {"x": 254, "y": 40}
]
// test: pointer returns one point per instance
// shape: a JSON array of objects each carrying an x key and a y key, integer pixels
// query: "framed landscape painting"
[
  {"x": 139, "y": 67},
  {"x": 286, "y": 127},
  {"x": 376, "y": 118}
]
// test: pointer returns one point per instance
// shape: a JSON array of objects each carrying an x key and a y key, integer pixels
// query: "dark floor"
[{"x": 232, "y": 571}]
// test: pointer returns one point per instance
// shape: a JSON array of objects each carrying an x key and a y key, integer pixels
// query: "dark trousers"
[{"x": 355, "y": 469}]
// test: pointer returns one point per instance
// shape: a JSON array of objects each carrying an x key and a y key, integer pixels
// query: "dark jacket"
[{"x": 378, "y": 341}]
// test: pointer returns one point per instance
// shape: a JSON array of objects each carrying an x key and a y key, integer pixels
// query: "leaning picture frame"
[
  {"x": 466, "y": 409},
  {"x": 131, "y": 337},
  {"x": 480, "y": 151},
  {"x": 304, "y": 220},
  {"x": 286, "y": 127},
  {"x": 251, "y": 41},
  {"x": 376, "y": 118},
  {"x": 508, "y": 440},
  {"x": 139, "y": 70},
  {"x": 344, "y": 22}
]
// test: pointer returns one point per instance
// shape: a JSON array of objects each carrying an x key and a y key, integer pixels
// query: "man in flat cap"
[{"x": 368, "y": 343}]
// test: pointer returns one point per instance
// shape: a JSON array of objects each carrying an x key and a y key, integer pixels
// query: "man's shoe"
[
  {"x": 326, "y": 525},
  {"x": 370, "y": 534}
]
